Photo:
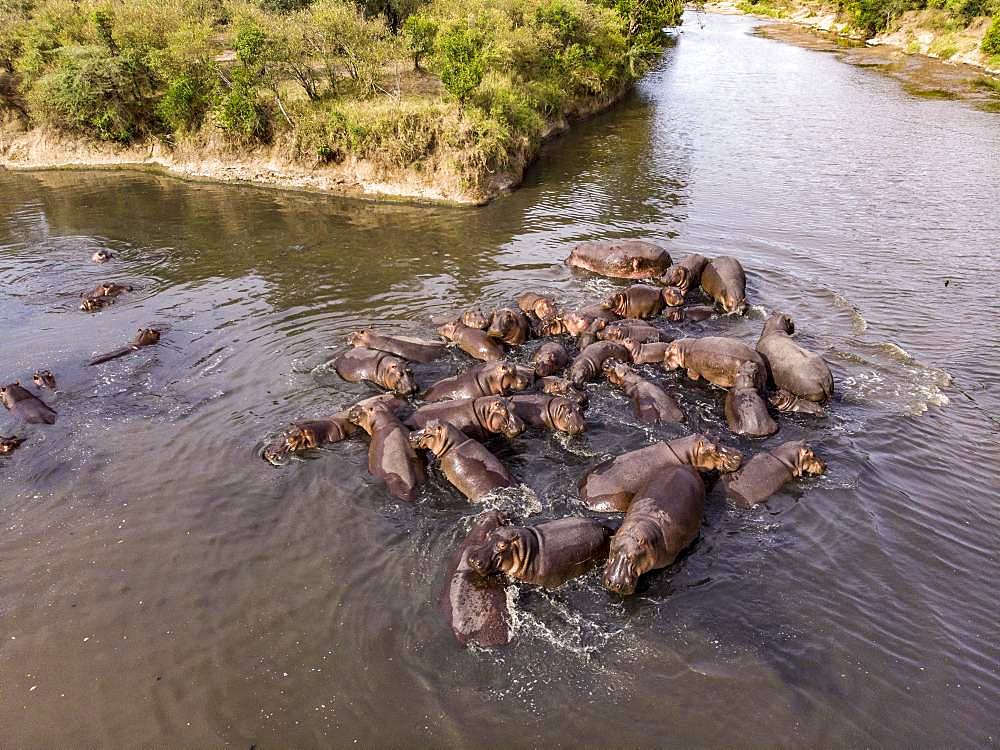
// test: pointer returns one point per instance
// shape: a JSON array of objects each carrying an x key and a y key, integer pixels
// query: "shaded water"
[{"x": 160, "y": 583}]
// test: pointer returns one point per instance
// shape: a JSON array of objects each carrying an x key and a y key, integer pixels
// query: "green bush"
[
  {"x": 420, "y": 31},
  {"x": 459, "y": 58},
  {"x": 991, "y": 40},
  {"x": 238, "y": 109}
]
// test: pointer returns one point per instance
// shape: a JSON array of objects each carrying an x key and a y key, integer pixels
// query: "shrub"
[
  {"x": 459, "y": 51},
  {"x": 420, "y": 31},
  {"x": 238, "y": 109},
  {"x": 991, "y": 40}
]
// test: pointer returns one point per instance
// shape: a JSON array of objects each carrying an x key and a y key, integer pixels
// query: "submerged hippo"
[
  {"x": 690, "y": 313},
  {"x": 554, "y": 386},
  {"x": 651, "y": 404},
  {"x": 473, "y": 341},
  {"x": 663, "y": 520},
  {"x": 510, "y": 326},
  {"x": 466, "y": 463},
  {"x": 746, "y": 410},
  {"x": 794, "y": 369},
  {"x": 637, "y": 301},
  {"x": 479, "y": 418},
  {"x": 476, "y": 605},
  {"x": 542, "y": 307},
  {"x": 685, "y": 275},
  {"x": 550, "y": 358},
  {"x": 766, "y": 473},
  {"x": 26, "y": 405},
  {"x": 611, "y": 485},
  {"x": 102, "y": 256},
  {"x": 44, "y": 379},
  {"x": 590, "y": 319},
  {"x": 784, "y": 401},
  {"x": 490, "y": 379},
  {"x": 550, "y": 412},
  {"x": 377, "y": 367},
  {"x": 724, "y": 280},
  {"x": 145, "y": 337},
  {"x": 391, "y": 458},
  {"x": 632, "y": 328},
  {"x": 588, "y": 364},
  {"x": 103, "y": 295},
  {"x": 620, "y": 259},
  {"x": 715, "y": 358},
  {"x": 546, "y": 555},
  {"x": 10, "y": 444},
  {"x": 413, "y": 349}
]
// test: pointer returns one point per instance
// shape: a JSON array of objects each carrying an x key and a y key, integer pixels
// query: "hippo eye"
[{"x": 501, "y": 546}]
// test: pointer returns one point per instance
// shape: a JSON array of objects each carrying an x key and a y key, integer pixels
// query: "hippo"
[
  {"x": 102, "y": 256},
  {"x": 145, "y": 337},
  {"x": 554, "y": 386},
  {"x": 550, "y": 358},
  {"x": 588, "y": 363},
  {"x": 631, "y": 328},
  {"x": 611, "y": 485},
  {"x": 466, "y": 463},
  {"x": 646, "y": 354},
  {"x": 475, "y": 605},
  {"x": 102, "y": 295},
  {"x": 474, "y": 318},
  {"x": 663, "y": 521},
  {"x": 685, "y": 275},
  {"x": 690, "y": 314},
  {"x": 784, "y": 401},
  {"x": 510, "y": 326},
  {"x": 746, "y": 411},
  {"x": 794, "y": 369},
  {"x": 548, "y": 554},
  {"x": 620, "y": 259},
  {"x": 590, "y": 319},
  {"x": 312, "y": 433},
  {"x": 95, "y": 304},
  {"x": 637, "y": 301},
  {"x": 376, "y": 367},
  {"x": 10, "y": 444},
  {"x": 44, "y": 379},
  {"x": 26, "y": 405},
  {"x": 479, "y": 418},
  {"x": 391, "y": 458},
  {"x": 724, "y": 280},
  {"x": 554, "y": 326},
  {"x": 550, "y": 412},
  {"x": 406, "y": 347},
  {"x": 542, "y": 307},
  {"x": 490, "y": 379},
  {"x": 766, "y": 473},
  {"x": 651, "y": 404},
  {"x": 672, "y": 296},
  {"x": 472, "y": 341},
  {"x": 715, "y": 358}
]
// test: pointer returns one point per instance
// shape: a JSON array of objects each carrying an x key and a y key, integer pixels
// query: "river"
[{"x": 159, "y": 583}]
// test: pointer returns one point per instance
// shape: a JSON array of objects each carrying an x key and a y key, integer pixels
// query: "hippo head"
[
  {"x": 746, "y": 376},
  {"x": 577, "y": 323},
  {"x": 634, "y": 347},
  {"x": 633, "y": 552},
  {"x": 616, "y": 371},
  {"x": 553, "y": 326},
  {"x": 672, "y": 296},
  {"x": 732, "y": 305},
  {"x": 9, "y": 444},
  {"x": 566, "y": 416},
  {"x": 44, "y": 379},
  {"x": 92, "y": 304},
  {"x": 474, "y": 318},
  {"x": 617, "y": 302},
  {"x": 524, "y": 378},
  {"x": 433, "y": 436},
  {"x": 674, "y": 314},
  {"x": 502, "y": 550},
  {"x": 361, "y": 337},
  {"x": 146, "y": 337},
  {"x": 101, "y": 256},
  {"x": 562, "y": 387},
  {"x": 676, "y": 276},
  {"x": 673, "y": 357},
  {"x": 709, "y": 456},
  {"x": 502, "y": 323},
  {"x": 448, "y": 329},
  {"x": 544, "y": 308},
  {"x": 5, "y": 397},
  {"x": 778, "y": 322},
  {"x": 499, "y": 416},
  {"x": 364, "y": 413},
  {"x": 399, "y": 378},
  {"x": 613, "y": 332},
  {"x": 294, "y": 439},
  {"x": 807, "y": 462}
]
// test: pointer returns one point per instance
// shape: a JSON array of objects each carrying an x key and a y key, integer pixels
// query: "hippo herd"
[{"x": 649, "y": 502}]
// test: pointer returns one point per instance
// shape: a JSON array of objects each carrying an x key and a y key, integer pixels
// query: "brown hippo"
[
  {"x": 686, "y": 275},
  {"x": 794, "y": 369},
  {"x": 474, "y": 318},
  {"x": 510, "y": 326},
  {"x": 542, "y": 307},
  {"x": 550, "y": 358},
  {"x": 145, "y": 337},
  {"x": 377, "y": 367},
  {"x": 766, "y": 473},
  {"x": 466, "y": 463},
  {"x": 611, "y": 485},
  {"x": 746, "y": 410},
  {"x": 637, "y": 301},
  {"x": 724, "y": 280},
  {"x": 10, "y": 444},
  {"x": 554, "y": 326},
  {"x": 784, "y": 401},
  {"x": 104, "y": 294},
  {"x": 44, "y": 379},
  {"x": 672, "y": 296},
  {"x": 589, "y": 362},
  {"x": 476, "y": 606},
  {"x": 646, "y": 354},
  {"x": 620, "y": 259},
  {"x": 102, "y": 256},
  {"x": 476, "y": 417},
  {"x": 490, "y": 379},
  {"x": 546, "y": 555},
  {"x": 26, "y": 405},
  {"x": 663, "y": 520},
  {"x": 651, "y": 404},
  {"x": 715, "y": 358},
  {"x": 391, "y": 458},
  {"x": 554, "y": 386},
  {"x": 631, "y": 328},
  {"x": 690, "y": 313},
  {"x": 472, "y": 341},
  {"x": 550, "y": 412},
  {"x": 413, "y": 349}
]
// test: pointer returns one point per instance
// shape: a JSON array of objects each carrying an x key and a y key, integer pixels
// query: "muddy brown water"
[{"x": 159, "y": 583}]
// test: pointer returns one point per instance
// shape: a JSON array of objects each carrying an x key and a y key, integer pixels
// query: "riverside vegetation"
[{"x": 463, "y": 90}]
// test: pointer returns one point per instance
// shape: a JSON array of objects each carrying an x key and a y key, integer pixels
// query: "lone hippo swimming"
[
  {"x": 794, "y": 369},
  {"x": 479, "y": 418},
  {"x": 391, "y": 458},
  {"x": 611, "y": 485},
  {"x": 589, "y": 363},
  {"x": 620, "y": 259},
  {"x": 26, "y": 405},
  {"x": 145, "y": 337},
  {"x": 413, "y": 349},
  {"x": 637, "y": 301},
  {"x": 473, "y": 341},
  {"x": 651, "y": 404},
  {"x": 766, "y": 473},
  {"x": 10, "y": 444},
  {"x": 550, "y": 413},
  {"x": 663, "y": 520},
  {"x": 44, "y": 379},
  {"x": 376, "y": 367},
  {"x": 103, "y": 295},
  {"x": 466, "y": 463},
  {"x": 550, "y": 358},
  {"x": 715, "y": 358},
  {"x": 102, "y": 256},
  {"x": 746, "y": 410},
  {"x": 547, "y": 555},
  {"x": 725, "y": 281}
]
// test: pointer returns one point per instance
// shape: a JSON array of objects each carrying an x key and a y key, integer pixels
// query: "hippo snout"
[{"x": 619, "y": 577}]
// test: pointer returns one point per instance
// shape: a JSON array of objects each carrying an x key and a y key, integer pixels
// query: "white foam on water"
[
  {"x": 519, "y": 501},
  {"x": 858, "y": 322},
  {"x": 568, "y": 630}
]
